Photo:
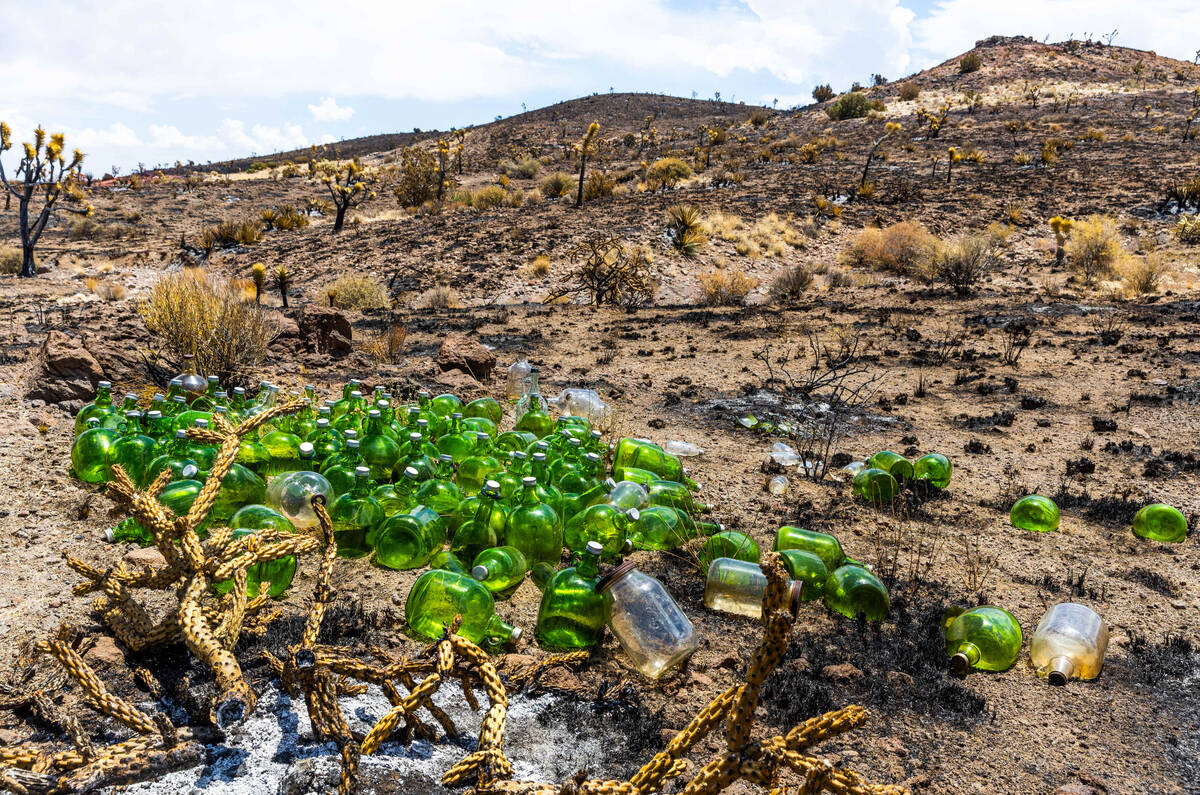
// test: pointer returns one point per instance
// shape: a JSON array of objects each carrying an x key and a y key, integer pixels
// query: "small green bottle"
[
  {"x": 823, "y": 545},
  {"x": 640, "y": 454},
  {"x": 134, "y": 450},
  {"x": 354, "y": 515},
  {"x": 128, "y": 529},
  {"x": 514, "y": 440},
  {"x": 934, "y": 468},
  {"x": 91, "y": 454},
  {"x": 602, "y": 523},
  {"x": 441, "y": 493},
  {"x": 659, "y": 527},
  {"x": 1160, "y": 522},
  {"x": 987, "y": 638},
  {"x": 729, "y": 544},
  {"x": 484, "y": 529},
  {"x": 174, "y": 457},
  {"x": 534, "y": 528},
  {"x": 378, "y": 449},
  {"x": 894, "y": 464},
  {"x": 571, "y": 615},
  {"x": 339, "y": 468},
  {"x": 284, "y": 448},
  {"x": 1036, "y": 513},
  {"x": 876, "y": 486},
  {"x": 98, "y": 408},
  {"x": 806, "y": 567},
  {"x": 326, "y": 440},
  {"x": 500, "y": 569},
  {"x": 439, "y": 595},
  {"x": 673, "y": 495},
  {"x": 239, "y": 487},
  {"x": 402, "y": 541},
  {"x": 457, "y": 442},
  {"x": 479, "y": 467},
  {"x": 279, "y": 572},
  {"x": 853, "y": 591},
  {"x": 445, "y": 405}
]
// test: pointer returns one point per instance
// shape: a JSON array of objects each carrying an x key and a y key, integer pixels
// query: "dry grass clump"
[
  {"x": 357, "y": 292},
  {"x": 284, "y": 218},
  {"x": 906, "y": 248},
  {"x": 540, "y": 266},
  {"x": 385, "y": 347},
  {"x": 438, "y": 298},
  {"x": 557, "y": 185},
  {"x": 598, "y": 184},
  {"x": 666, "y": 172},
  {"x": 524, "y": 168},
  {"x": 228, "y": 234},
  {"x": 909, "y": 91},
  {"x": 1188, "y": 230},
  {"x": 489, "y": 197},
  {"x": 769, "y": 236},
  {"x": 105, "y": 289},
  {"x": 1142, "y": 275},
  {"x": 792, "y": 284},
  {"x": 1094, "y": 247},
  {"x": 189, "y": 313},
  {"x": 964, "y": 261},
  {"x": 10, "y": 260},
  {"x": 725, "y": 287}
]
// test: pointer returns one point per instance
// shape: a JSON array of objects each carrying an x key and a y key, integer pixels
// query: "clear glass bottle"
[
  {"x": 647, "y": 622},
  {"x": 514, "y": 386},
  {"x": 1069, "y": 643},
  {"x": 737, "y": 586}
]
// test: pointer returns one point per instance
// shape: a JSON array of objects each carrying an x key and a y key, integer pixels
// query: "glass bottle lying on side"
[
  {"x": 439, "y": 595},
  {"x": 737, "y": 586},
  {"x": 987, "y": 638},
  {"x": 1069, "y": 643}
]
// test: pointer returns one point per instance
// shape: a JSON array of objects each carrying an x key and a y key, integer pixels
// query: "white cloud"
[
  {"x": 168, "y": 136},
  {"x": 115, "y": 135},
  {"x": 329, "y": 110},
  {"x": 261, "y": 139}
]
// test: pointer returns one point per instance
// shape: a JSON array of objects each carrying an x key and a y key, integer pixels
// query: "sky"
[{"x": 131, "y": 81}]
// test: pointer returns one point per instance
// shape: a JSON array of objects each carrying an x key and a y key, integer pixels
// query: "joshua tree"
[
  {"x": 258, "y": 273},
  {"x": 586, "y": 146},
  {"x": 283, "y": 280},
  {"x": 349, "y": 184},
  {"x": 954, "y": 156},
  {"x": 43, "y": 174},
  {"x": 1062, "y": 230},
  {"x": 888, "y": 129}
]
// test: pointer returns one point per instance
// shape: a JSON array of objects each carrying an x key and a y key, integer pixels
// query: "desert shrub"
[
  {"x": 839, "y": 277},
  {"x": 1184, "y": 192},
  {"x": 725, "y": 287},
  {"x": 1094, "y": 247},
  {"x": 540, "y": 266},
  {"x": 86, "y": 229},
  {"x": 189, "y": 313},
  {"x": 386, "y": 347},
  {"x": 666, "y": 172},
  {"x": 598, "y": 184},
  {"x": 318, "y": 207},
  {"x": 489, "y": 197},
  {"x": 106, "y": 290},
  {"x": 1143, "y": 274},
  {"x": 438, "y": 298},
  {"x": 606, "y": 272},
  {"x": 416, "y": 177},
  {"x": 557, "y": 184},
  {"x": 684, "y": 229},
  {"x": 963, "y": 262},
  {"x": 792, "y": 284},
  {"x": 758, "y": 117},
  {"x": 525, "y": 168},
  {"x": 228, "y": 234},
  {"x": 909, "y": 91},
  {"x": 854, "y": 105},
  {"x": 10, "y": 260},
  {"x": 906, "y": 248},
  {"x": 284, "y": 218},
  {"x": 1188, "y": 230},
  {"x": 969, "y": 63},
  {"x": 822, "y": 93},
  {"x": 357, "y": 292}
]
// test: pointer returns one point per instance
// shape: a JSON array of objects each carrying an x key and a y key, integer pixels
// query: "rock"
[
  {"x": 318, "y": 323},
  {"x": 511, "y": 663},
  {"x": 1077, "y": 789},
  {"x": 899, "y": 679},
  {"x": 1139, "y": 432},
  {"x": 466, "y": 354},
  {"x": 845, "y": 672},
  {"x": 9, "y": 737},
  {"x": 285, "y": 327},
  {"x": 146, "y": 557},
  {"x": 68, "y": 371},
  {"x": 701, "y": 679},
  {"x": 105, "y": 652},
  {"x": 559, "y": 677},
  {"x": 338, "y": 344},
  {"x": 462, "y": 384}
]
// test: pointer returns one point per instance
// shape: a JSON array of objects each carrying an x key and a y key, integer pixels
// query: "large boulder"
[
  {"x": 66, "y": 371},
  {"x": 324, "y": 329},
  {"x": 466, "y": 354}
]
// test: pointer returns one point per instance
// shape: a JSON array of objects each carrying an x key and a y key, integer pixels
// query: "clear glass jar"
[
  {"x": 646, "y": 621},
  {"x": 737, "y": 586}
]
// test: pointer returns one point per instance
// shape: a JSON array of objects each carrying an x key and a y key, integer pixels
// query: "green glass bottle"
[
  {"x": 588, "y": 474},
  {"x": 339, "y": 408},
  {"x": 404, "y": 542},
  {"x": 596, "y": 495},
  {"x": 91, "y": 454},
  {"x": 987, "y": 638},
  {"x": 729, "y": 544},
  {"x": 439, "y": 595},
  {"x": 673, "y": 495},
  {"x": 1036, "y": 513},
  {"x": 647, "y": 456},
  {"x": 514, "y": 440},
  {"x": 418, "y": 452},
  {"x": 547, "y": 491},
  {"x": 441, "y": 493},
  {"x": 352, "y": 417},
  {"x": 378, "y": 449},
  {"x": 484, "y": 529},
  {"x": 98, "y": 408},
  {"x": 326, "y": 440},
  {"x": 934, "y": 468},
  {"x": 510, "y": 479},
  {"x": 253, "y": 455},
  {"x": 239, "y": 487},
  {"x": 894, "y": 464},
  {"x": 280, "y": 572},
  {"x": 174, "y": 456},
  {"x": 659, "y": 527},
  {"x": 806, "y": 567},
  {"x": 876, "y": 486},
  {"x": 284, "y": 448},
  {"x": 456, "y": 442},
  {"x": 134, "y": 450},
  {"x": 541, "y": 573},
  {"x": 534, "y": 528},
  {"x": 533, "y": 410},
  {"x": 1160, "y": 522},
  {"x": 602, "y": 523},
  {"x": 354, "y": 515},
  {"x": 445, "y": 405},
  {"x": 339, "y": 468},
  {"x": 479, "y": 467},
  {"x": 500, "y": 569},
  {"x": 853, "y": 591},
  {"x": 129, "y": 529},
  {"x": 823, "y": 545},
  {"x": 571, "y": 615},
  {"x": 485, "y": 407},
  {"x": 445, "y": 559},
  {"x": 308, "y": 458}
]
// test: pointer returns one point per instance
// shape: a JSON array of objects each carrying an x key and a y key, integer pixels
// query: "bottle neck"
[
  {"x": 498, "y": 631},
  {"x": 966, "y": 657},
  {"x": 1062, "y": 668},
  {"x": 588, "y": 567}
]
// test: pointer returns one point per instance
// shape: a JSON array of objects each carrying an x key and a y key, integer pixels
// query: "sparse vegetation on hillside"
[
  {"x": 1094, "y": 247},
  {"x": 350, "y": 184},
  {"x": 852, "y": 105},
  {"x": 666, "y": 172},
  {"x": 357, "y": 292}
]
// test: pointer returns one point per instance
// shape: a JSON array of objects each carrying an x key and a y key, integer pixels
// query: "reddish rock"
[
  {"x": 846, "y": 672},
  {"x": 68, "y": 371},
  {"x": 466, "y": 354},
  {"x": 318, "y": 324},
  {"x": 105, "y": 652},
  {"x": 146, "y": 557}
]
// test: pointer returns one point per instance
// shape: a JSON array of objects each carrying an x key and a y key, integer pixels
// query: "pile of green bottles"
[
  {"x": 844, "y": 584},
  {"x": 879, "y": 478},
  {"x": 431, "y": 483}
]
